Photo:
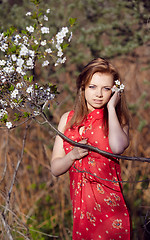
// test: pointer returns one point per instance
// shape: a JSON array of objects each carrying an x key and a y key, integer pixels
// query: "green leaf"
[
  {"x": 13, "y": 49},
  {"x": 4, "y": 119},
  {"x": 36, "y": 2},
  {"x": 11, "y": 88},
  {"x": 64, "y": 46},
  {"x": 36, "y": 86},
  {"x": 17, "y": 115},
  {"x": 40, "y": 14},
  {"x": 26, "y": 114},
  {"x": 72, "y": 21},
  {"x": 31, "y": 78},
  {"x": 25, "y": 77},
  {"x": 35, "y": 47},
  {"x": 24, "y": 32},
  {"x": 34, "y": 16}
]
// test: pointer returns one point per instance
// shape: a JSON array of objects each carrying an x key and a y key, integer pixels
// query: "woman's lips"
[{"x": 98, "y": 101}]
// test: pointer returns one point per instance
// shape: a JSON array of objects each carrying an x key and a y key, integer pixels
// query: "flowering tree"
[
  {"x": 21, "y": 97},
  {"x": 20, "y": 53}
]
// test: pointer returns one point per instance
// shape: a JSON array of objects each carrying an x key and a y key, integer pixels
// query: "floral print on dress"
[
  {"x": 82, "y": 215},
  {"x": 115, "y": 181},
  {"x": 100, "y": 188},
  {"x": 73, "y": 184},
  {"x": 98, "y": 206},
  {"x": 91, "y": 161},
  {"x": 117, "y": 223},
  {"x": 91, "y": 217},
  {"x": 79, "y": 184},
  {"x": 115, "y": 196},
  {"x": 110, "y": 201}
]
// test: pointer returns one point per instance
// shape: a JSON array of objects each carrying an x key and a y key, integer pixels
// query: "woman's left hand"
[{"x": 114, "y": 99}]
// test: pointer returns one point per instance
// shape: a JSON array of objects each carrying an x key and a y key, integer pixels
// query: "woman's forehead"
[{"x": 102, "y": 78}]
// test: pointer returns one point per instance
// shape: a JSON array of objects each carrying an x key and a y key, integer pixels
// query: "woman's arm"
[
  {"x": 61, "y": 162},
  {"x": 118, "y": 136}
]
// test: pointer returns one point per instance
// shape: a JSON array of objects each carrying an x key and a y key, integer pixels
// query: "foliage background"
[{"x": 120, "y": 31}]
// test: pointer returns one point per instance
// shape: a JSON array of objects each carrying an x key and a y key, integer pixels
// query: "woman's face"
[{"x": 98, "y": 91}]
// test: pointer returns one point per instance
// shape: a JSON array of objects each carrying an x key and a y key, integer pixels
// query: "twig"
[
  {"x": 5, "y": 160},
  {"x": 6, "y": 226},
  {"x": 51, "y": 236},
  {"x": 94, "y": 149},
  {"x": 16, "y": 170}
]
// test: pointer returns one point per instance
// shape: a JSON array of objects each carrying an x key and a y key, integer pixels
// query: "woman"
[{"x": 100, "y": 119}]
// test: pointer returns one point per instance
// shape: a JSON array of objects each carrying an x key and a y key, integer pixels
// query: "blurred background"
[{"x": 119, "y": 31}]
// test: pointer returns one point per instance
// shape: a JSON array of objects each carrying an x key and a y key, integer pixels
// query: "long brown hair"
[{"x": 80, "y": 108}]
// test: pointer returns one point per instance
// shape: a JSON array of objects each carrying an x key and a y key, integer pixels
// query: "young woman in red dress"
[{"x": 100, "y": 118}]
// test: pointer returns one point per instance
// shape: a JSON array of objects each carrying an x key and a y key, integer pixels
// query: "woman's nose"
[{"x": 99, "y": 93}]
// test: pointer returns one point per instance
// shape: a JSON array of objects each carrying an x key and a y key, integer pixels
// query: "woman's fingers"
[{"x": 79, "y": 152}]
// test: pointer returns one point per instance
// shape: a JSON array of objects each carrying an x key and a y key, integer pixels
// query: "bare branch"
[
  {"x": 16, "y": 170},
  {"x": 94, "y": 149},
  {"x": 5, "y": 161},
  {"x": 6, "y": 226}
]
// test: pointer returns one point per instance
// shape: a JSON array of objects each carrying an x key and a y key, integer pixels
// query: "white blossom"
[
  {"x": 24, "y": 51},
  {"x": 122, "y": 87},
  {"x": 19, "y": 85},
  {"x": 4, "y": 47},
  {"x": 30, "y": 29},
  {"x": 8, "y": 125},
  {"x": 49, "y": 50},
  {"x": 3, "y": 79},
  {"x": 28, "y": 14},
  {"x": 2, "y": 113},
  {"x": 14, "y": 93},
  {"x": 60, "y": 60},
  {"x": 36, "y": 113},
  {"x": 16, "y": 39},
  {"x": 2, "y": 62},
  {"x": 44, "y": 30},
  {"x": 60, "y": 53},
  {"x": 45, "y": 18},
  {"x": 30, "y": 89},
  {"x": 25, "y": 38},
  {"x": 36, "y": 42},
  {"x": 45, "y": 63},
  {"x": 48, "y": 10},
  {"x": 3, "y": 103},
  {"x": 8, "y": 70},
  {"x": 117, "y": 82},
  {"x": 14, "y": 58},
  {"x": 31, "y": 53},
  {"x": 43, "y": 43},
  {"x": 30, "y": 63},
  {"x": 20, "y": 62},
  {"x": 69, "y": 39},
  {"x": 1, "y": 36},
  {"x": 19, "y": 70}
]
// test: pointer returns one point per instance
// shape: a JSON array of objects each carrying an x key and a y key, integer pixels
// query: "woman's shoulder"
[{"x": 63, "y": 121}]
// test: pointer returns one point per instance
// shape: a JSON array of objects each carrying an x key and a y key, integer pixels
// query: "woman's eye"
[
  {"x": 107, "y": 88},
  {"x": 91, "y": 86}
]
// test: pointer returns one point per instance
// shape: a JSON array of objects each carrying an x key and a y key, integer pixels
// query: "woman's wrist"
[
  {"x": 71, "y": 156},
  {"x": 111, "y": 108}
]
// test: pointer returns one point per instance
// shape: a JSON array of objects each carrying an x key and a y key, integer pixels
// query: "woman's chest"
[{"x": 94, "y": 134}]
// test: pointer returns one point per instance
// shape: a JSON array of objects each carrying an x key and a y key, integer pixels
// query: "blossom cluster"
[
  {"x": 21, "y": 51},
  {"x": 118, "y": 86}
]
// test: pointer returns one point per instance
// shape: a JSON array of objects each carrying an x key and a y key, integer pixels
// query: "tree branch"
[{"x": 94, "y": 149}]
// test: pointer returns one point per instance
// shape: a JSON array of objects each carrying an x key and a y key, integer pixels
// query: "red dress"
[{"x": 99, "y": 209}]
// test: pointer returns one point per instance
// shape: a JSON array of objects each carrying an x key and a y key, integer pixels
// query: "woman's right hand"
[{"x": 78, "y": 152}]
